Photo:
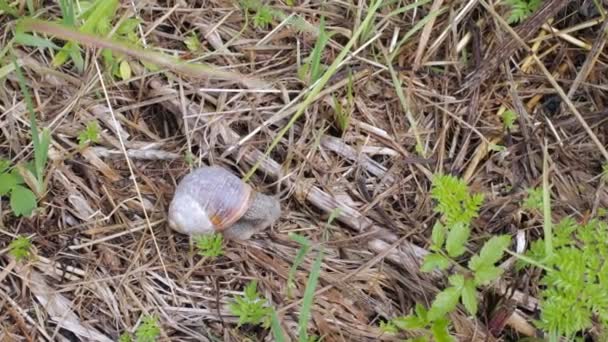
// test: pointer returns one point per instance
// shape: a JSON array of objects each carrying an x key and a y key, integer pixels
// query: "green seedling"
[
  {"x": 457, "y": 207},
  {"x": 89, "y": 134},
  {"x": 312, "y": 69},
  {"x": 508, "y": 119},
  {"x": 521, "y": 9},
  {"x": 209, "y": 245},
  {"x": 149, "y": 330},
  {"x": 250, "y": 308},
  {"x": 20, "y": 248}
]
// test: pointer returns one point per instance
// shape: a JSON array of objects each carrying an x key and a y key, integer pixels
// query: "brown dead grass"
[{"x": 106, "y": 255}]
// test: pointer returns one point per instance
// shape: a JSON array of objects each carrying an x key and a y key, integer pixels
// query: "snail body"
[{"x": 213, "y": 200}]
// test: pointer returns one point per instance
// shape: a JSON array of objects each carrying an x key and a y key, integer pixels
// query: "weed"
[
  {"x": 209, "y": 245},
  {"x": 534, "y": 200},
  {"x": 343, "y": 113},
  {"x": 312, "y": 69},
  {"x": 250, "y": 308},
  {"x": 89, "y": 134},
  {"x": 149, "y": 330},
  {"x": 575, "y": 288},
  {"x": 22, "y": 200},
  {"x": 192, "y": 42},
  {"x": 508, "y": 119},
  {"x": 458, "y": 207},
  {"x": 521, "y": 9},
  {"x": 263, "y": 14},
  {"x": 125, "y": 337},
  {"x": 20, "y": 248}
]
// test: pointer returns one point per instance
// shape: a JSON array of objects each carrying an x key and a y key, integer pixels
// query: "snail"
[{"x": 211, "y": 199}]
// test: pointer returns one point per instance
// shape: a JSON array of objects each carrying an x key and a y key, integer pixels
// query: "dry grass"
[{"x": 106, "y": 257}]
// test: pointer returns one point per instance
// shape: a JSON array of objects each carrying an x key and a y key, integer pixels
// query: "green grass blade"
[
  {"x": 309, "y": 296},
  {"x": 170, "y": 62},
  {"x": 277, "y": 332},
  {"x": 67, "y": 11},
  {"x": 31, "y": 40},
  {"x": 305, "y": 243}
]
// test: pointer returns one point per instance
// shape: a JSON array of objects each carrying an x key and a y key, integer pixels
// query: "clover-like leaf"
[{"x": 23, "y": 201}]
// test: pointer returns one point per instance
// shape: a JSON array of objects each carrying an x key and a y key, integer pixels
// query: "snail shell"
[{"x": 209, "y": 199}]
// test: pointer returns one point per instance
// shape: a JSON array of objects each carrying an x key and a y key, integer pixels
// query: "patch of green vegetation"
[
  {"x": 508, "y": 119},
  {"x": 89, "y": 134},
  {"x": 209, "y": 245},
  {"x": 250, "y": 308},
  {"x": 458, "y": 207},
  {"x": 20, "y": 248},
  {"x": 23, "y": 200},
  {"x": 193, "y": 43},
  {"x": 312, "y": 68},
  {"x": 534, "y": 200},
  {"x": 521, "y": 9},
  {"x": 343, "y": 113},
  {"x": 149, "y": 330}
]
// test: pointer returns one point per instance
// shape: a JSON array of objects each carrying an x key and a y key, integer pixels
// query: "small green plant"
[
  {"x": 22, "y": 200},
  {"x": 250, "y": 308},
  {"x": 149, "y": 330},
  {"x": 458, "y": 207},
  {"x": 508, "y": 119},
  {"x": 521, "y": 9},
  {"x": 575, "y": 282},
  {"x": 605, "y": 172},
  {"x": 575, "y": 277},
  {"x": 343, "y": 113},
  {"x": 419, "y": 320},
  {"x": 89, "y": 134},
  {"x": 312, "y": 69},
  {"x": 262, "y": 13},
  {"x": 209, "y": 245},
  {"x": 125, "y": 337},
  {"x": 20, "y": 248},
  {"x": 534, "y": 200},
  {"x": 192, "y": 42}
]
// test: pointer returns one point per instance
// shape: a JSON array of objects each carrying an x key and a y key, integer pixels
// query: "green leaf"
[
  {"x": 308, "y": 297},
  {"x": 440, "y": 331},
  {"x": 192, "y": 43},
  {"x": 209, "y": 245},
  {"x": 41, "y": 152},
  {"x": 409, "y": 322},
  {"x": 149, "y": 330},
  {"x": 438, "y": 235},
  {"x": 20, "y": 247},
  {"x": 4, "y": 165},
  {"x": 457, "y": 237},
  {"x": 23, "y": 201},
  {"x": 31, "y": 40},
  {"x": 128, "y": 26},
  {"x": 7, "y": 182},
  {"x": 469, "y": 296},
  {"x": 457, "y": 281},
  {"x": 434, "y": 261},
  {"x": 491, "y": 252},
  {"x": 125, "y": 70},
  {"x": 444, "y": 303},
  {"x": 486, "y": 274}
]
